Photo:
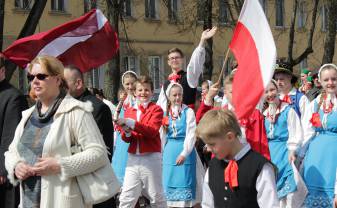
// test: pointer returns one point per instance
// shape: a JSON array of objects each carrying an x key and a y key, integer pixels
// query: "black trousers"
[
  {"x": 9, "y": 196},
  {"x": 110, "y": 203}
]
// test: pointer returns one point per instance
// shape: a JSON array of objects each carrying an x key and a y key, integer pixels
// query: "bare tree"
[
  {"x": 28, "y": 29},
  {"x": 330, "y": 37},
  {"x": 2, "y": 15}
]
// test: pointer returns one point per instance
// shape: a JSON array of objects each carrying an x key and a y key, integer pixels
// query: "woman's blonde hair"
[
  {"x": 53, "y": 67},
  {"x": 217, "y": 123}
]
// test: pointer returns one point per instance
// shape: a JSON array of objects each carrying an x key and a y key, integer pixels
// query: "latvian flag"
[{"x": 87, "y": 42}]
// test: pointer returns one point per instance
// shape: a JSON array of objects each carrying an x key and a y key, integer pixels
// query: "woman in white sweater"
[{"x": 40, "y": 156}]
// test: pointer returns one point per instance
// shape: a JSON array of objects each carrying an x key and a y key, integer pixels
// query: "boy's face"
[
  {"x": 143, "y": 92},
  {"x": 228, "y": 92},
  {"x": 221, "y": 146}
]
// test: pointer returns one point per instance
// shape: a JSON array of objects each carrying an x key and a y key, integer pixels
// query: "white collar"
[
  {"x": 241, "y": 153},
  {"x": 293, "y": 91},
  {"x": 283, "y": 107},
  {"x": 144, "y": 105}
]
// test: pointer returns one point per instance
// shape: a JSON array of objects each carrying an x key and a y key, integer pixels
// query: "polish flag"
[
  {"x": 254, "y": 49},
  {"x": 86, "y": 42}
]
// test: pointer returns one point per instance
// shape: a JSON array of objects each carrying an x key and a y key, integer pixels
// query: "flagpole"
[{"x": 223, "y": 67}]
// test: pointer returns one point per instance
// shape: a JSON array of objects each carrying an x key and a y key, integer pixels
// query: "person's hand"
[
  {"x": 212, "y": 92},
  {"x": 22, "y": 171},
  {"x": 335, "y": 201},
  {"x": 2, "y": 179},
  {"x": 291, "y": 156},
  {"x": 46, "y": 166},
  {"x": 180, "y": 160},
  {"x": 206, "y": 34}
]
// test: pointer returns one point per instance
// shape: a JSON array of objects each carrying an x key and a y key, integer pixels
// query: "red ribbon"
[
  {"x": 287, "y": 99},
  {"x": 174, "y": 77},
  {"x": 142, "y": 109},
  {"x": 316, "y": 120},
  {"x": 231, "y": 174}
]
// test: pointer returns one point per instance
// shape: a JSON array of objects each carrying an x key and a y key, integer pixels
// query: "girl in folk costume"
[
  {"x": 189, "y": 80},
  {"x": 179, "y": 155},
  {"x": 120, "y": 156},
  {"x": 320, "y": 138},
  {"x": 284, "y": 137},
  {"x": 140, "y": 127},
  {"x": 253, "y": 130}
]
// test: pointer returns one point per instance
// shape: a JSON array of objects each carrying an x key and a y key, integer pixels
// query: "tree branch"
[{"x": 292, "y": 33}]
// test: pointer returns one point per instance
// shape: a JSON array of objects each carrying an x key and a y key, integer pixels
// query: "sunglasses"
[{"x": 41, "y": 77}]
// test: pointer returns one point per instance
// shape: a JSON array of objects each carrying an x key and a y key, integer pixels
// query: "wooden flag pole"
[{"x": 223, "y": 67}]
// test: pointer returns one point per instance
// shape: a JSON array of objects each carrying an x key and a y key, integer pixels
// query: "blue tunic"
[
  {"x": 179, "y": 181},
  {"x": 320, "y": 163},
  {"x": 120, "y": 156},
  {"x": 277, "y": 142}
]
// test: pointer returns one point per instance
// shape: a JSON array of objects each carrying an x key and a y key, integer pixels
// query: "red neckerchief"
[
  {"x": 141, "y": 108},
  {"x": 174, "y": 77},
  {"x": 287, "y": 99},
  {"x": 172, "y": 116},
  {"x": 231, "y": 174}
]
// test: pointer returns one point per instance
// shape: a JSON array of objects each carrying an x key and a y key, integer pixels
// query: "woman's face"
[
  {"x": 328, "y": 79},
  {"x": 204, "y": 89},
  {"x": 271, "y": 93},
  {"x": 128, "y": 84},
  {"x": 176, "y": 95},
  {"x": 44, "y": 85}
]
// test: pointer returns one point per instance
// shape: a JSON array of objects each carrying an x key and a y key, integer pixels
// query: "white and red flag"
[
  {"x": 87, "y": 42},
  {"x": 254, "y": 49}
]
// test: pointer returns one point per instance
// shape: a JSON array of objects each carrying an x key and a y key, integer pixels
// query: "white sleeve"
[
  {"x": 195, "y": 67},
  {"x": 162, "y": 100},
  {"x": 295, "y": 130},
  {"x": 207, "y": 196},
  {"x": 304, "y": 103},
  {"x": 308, "y": 129},
  {"x": 266, "y": 188},
  {"x": 189, "y": 141}
]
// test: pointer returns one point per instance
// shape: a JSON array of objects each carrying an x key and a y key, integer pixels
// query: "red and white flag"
[
  {"x": 254, "y": 49},
  {"x": 86, "y": 42}
]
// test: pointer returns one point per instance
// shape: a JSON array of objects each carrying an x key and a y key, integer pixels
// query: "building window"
[
  {"x": 280, "y": 13},
  {"x": 127, "y": 11},
  {"x": 156, "y": 71},
  {"x": 58, "y": 5},
  {"x": 223, "y": 12},
  {"x": 151, "y": 9},
  {"x": 173, "y": 6},
  {"x": 304, "y": 64},
  {"x": 324, "y": 14},
  {"x": 301, "y": 20},
  {"x": 23, "y": 4},
  {"x": 201, "y": 10},
  {"x": 130, "y": 64},
  {"x": 264, "y": 5}
]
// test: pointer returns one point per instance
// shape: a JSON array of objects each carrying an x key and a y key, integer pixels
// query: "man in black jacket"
[
  {"x": 12, "y": 103},
  {"x": 101, "y": 113}
]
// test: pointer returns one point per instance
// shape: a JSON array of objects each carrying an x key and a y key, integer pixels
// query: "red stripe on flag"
[
  {"x": 248, "y": 84},
  {"x": 78, "y": 54}
]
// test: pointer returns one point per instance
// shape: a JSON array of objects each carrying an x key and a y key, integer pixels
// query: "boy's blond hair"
[
  {"x": 217, "y": 123},
  {"x": 229, "y": 79}
]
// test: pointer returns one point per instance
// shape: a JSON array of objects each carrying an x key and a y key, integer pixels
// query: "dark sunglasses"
[{"x": 30, "y": 77}]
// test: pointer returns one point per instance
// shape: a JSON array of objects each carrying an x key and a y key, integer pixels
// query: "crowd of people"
[{"x": 178, "y": 152}]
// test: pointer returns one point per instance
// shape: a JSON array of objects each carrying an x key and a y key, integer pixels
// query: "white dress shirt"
[{"x": 265, "y": 186}]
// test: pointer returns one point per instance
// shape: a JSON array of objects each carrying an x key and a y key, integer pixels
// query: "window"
[
  {"x": 129, "y": 63},
  {"x": 264, "y": 5},
  {"x": 173, "y": 10},
  {"x": 58, "y": 5},
  {"x": 23, "y": 4},
  {"x": 201, "y": 10},
  {"x": 127, "y": 12},
  {"x": 324, "y": 14},
  {"x": 156, "y": 71},
  {"x": 280, "y": 13},
  {"x": 223, "y": 12},
  {"x": 151, "y": 9},
  {"x": 301, "y": 13},
  {"x": 304, "y": 64}
]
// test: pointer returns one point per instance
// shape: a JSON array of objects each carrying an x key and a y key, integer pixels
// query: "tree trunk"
[
  {"x": 292, "y": 32},
  {"x": 2, "y": 17},
  {"x": 27, "y": 30},
  {"x": 330, "y": 38},
  {"x": 112, "y": 72},
  {"x": 208, "y": 66}
]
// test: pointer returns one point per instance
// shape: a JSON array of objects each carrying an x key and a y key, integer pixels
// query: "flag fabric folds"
[
  {"x": 86, "y": 42},
  {"x": 254, "y": 49}
]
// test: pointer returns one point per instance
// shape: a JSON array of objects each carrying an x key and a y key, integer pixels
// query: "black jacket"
[
  {"x": 12, "y": 103},
  {"x": 103, "y": 118}
]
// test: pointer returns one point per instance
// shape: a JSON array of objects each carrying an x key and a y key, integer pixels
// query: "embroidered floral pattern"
[
  {"x": 179, "y": 195},
  {"x": 288, "y": 187},
  {"x": 318, "y": 200}
]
